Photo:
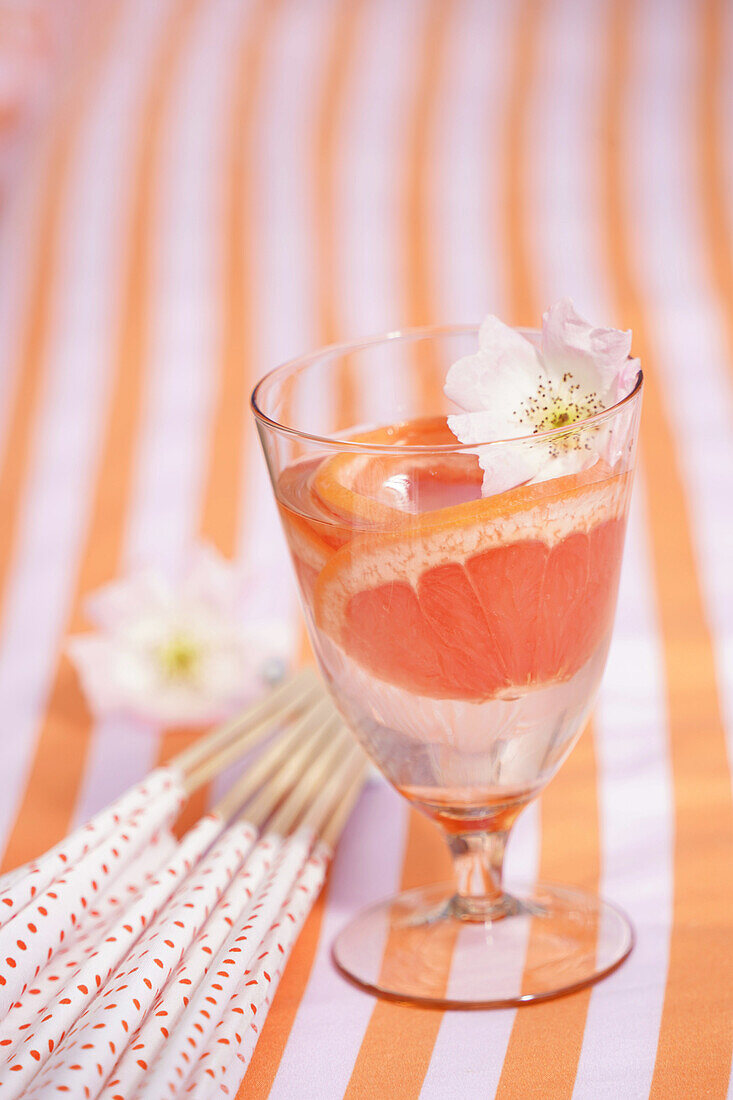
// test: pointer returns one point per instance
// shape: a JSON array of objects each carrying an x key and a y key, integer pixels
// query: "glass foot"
[{"x": 552, "y": 940}]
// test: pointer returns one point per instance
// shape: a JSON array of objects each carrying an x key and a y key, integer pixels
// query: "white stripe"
[
  {"x": 372, "y": 133},
  {"x": 185, "y": 300},
  {"x": 20, "y": 227},
  {"x": 686, "y": 321},
  {"x": 368, "y": 201},
  {"x": 282, "y": 249},
  {"x": 562, "y": 184},
  {"x": 470, "y": 267},
  {"x": 369, "y": 212},
  {"x": 565, "y": 226},
  {"x": 66, "y": 444},
  {"x": 471, "y": 275},
  {"x": 366, "y": 869},
  {"x": 477, "y": 1041},
  {"x": 636, "y": 813},
  {"x": 726, "y": 146},
  {"x": 187, "y": 292}
]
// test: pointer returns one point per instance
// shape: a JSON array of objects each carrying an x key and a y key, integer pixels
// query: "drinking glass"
[{"x": 463, "y": 638}]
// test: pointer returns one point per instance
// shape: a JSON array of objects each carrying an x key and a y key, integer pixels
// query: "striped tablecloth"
[{"x": 226, "y": 183}]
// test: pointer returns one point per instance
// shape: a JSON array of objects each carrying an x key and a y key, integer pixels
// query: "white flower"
[
  {"x": 181, "y": 653},
  {"x": 511, "y": 387}
]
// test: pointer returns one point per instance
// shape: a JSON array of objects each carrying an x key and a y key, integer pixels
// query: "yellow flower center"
[
  {"x": 178, "y": 657},
  {"x": 558, "y": 406}
]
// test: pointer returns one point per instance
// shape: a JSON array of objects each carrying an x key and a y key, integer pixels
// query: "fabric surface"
[{"x": 226, "y": 183}]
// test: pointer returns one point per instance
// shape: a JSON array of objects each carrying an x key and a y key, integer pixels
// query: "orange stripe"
[
  {"x": 268, "y": 1053},
  {"x": 230, "y": 429},
  {"x": 66, "y": 730},
  {"x": 420, "y": 297},
  {"x": 343, "y": 41},
  {"x": 398, "y": 1043},
  {"x": 513, "y": 203},
  {"x": 327, "y": 144},
  {"x": 15, "y": 462},
  {"x": 711, "y": 137},
  {"x": 545, "y": 1043},
  {"x": 546, "y": 1040},
  {"x": 399, "y": 1040},
  {"x": 695, "y": 1042}
]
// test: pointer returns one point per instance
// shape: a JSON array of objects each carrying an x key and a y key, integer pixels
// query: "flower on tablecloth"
[
  {"x": 514, "y": 387},
  {"x": 179, "y": 651}
]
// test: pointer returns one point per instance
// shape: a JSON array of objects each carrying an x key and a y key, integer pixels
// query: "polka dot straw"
[
  {"x": 171, "y": 1004},
  {"x": 94, "y": 1039},
  {"x": 226, "y": 1057},
  {"x": 146, "y": 940}
]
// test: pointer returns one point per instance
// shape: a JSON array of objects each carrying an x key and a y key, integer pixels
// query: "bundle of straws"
[{"x": 135, "y": 965}]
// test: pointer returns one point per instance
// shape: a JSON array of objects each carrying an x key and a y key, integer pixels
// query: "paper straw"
[
  {"x": 294, "y": 770},
  {"x": 28, "y": 881},
  {"x": 93, "y": 1043},
  {"x": 145, "y": 1047},
  {"x": 240, "y": 951},
  {"x": 137, "y": 874},
  {"x": 334, "y": 802},
  {"x": 223, "y": 1063},
  {"x": 258, "y": 776},
  {"x": 101, "y": 971},
  {"x": 264, "y": 714},
  {"x": 143, "y": 948},
  {"x": 312, "y": 783},
  {"x": 30, "y": 939},
  {"x": 199, "y": 763},
  {"x": 21, "y": 884},
  {"x": 66, "y": 963}
]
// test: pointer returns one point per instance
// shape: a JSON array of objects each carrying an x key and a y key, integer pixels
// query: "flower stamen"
[{"x": 178, "y": 657}]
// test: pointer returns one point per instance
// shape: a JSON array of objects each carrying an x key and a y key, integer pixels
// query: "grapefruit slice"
[
  {"x": 311, "y": 537},
  {"x": 483, "y": 598},
  {"x": 379, "y": 489}
]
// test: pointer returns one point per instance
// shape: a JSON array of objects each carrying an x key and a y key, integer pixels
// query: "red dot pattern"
[
  {"x": 166, "y": 986},
  {"x": 67, "y": 962},
  {"x": 239, "y": 952},
  {"x": 58, "y": 911},
  {"x": 111, "y": 1018},
  {"x": 19, "y": 887},
  {"x": 175, "y": 997},
  {"x": 62, "y": 927},
  {"x": 225, "y": 1060}
]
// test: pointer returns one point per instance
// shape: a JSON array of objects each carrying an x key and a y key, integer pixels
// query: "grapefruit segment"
[{"x": 471, "y": 601}]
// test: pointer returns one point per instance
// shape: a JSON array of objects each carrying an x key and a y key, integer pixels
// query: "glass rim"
[{"x": 301, "y": 362}]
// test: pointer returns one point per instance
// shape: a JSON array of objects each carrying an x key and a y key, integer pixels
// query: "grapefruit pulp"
[{"x": 469, "y": 600}]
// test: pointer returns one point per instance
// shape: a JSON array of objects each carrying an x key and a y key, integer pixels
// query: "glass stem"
[{"x": 478, "y": 861}]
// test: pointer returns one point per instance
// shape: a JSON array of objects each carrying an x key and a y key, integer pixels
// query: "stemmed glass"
[{"x": 463, "y": 638}]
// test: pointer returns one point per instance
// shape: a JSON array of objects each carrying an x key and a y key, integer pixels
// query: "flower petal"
[
  {"x": 504, "y": 464},
  {"x": 505, "y": 370},
  {"x": 213, "y": 580},
  {"x": 94, "y": 659},
  {"x": 509, "y": 465},
  {"x": 126, "y": 667},
  {"x": 594, "y": 356},
  {"x": 627, "y": 378},
  {"x": 122, "y": 601}
]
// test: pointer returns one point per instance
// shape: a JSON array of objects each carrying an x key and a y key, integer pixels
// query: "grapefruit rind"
[
  {"x": 454, "y": 535},
  {"x": 338, "y": 483}
]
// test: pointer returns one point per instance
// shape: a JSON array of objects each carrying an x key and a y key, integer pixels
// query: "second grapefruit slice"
[{"x": 483, "y": 598}]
